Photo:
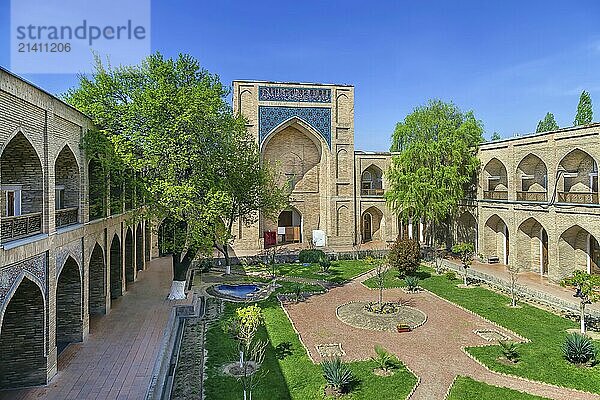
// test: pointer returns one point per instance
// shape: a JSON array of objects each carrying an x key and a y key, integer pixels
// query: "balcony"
[
  {"x": 578, "y": 197},
  {"x": 371, "y": 192},
  {"x": 531, "y": 196},
  {"x": 495, "y": 194},
  {"x": 20, "y": 226},
  {"x": 66, "y": 216}
]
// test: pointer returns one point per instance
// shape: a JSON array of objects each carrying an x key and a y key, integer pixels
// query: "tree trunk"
[
  {"x": 180, "y": 268},
  {"x": 465, "y": 276},
  {"x": 582, "y": 316},
  {"x": 227, "y": 261},
  {"x": 380, "y": 296}
]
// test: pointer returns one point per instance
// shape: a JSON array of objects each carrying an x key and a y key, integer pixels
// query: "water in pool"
[{"x": 240, "y": 291}]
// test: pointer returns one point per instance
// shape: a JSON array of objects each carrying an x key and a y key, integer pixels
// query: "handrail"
[{"x": 18, "y": 226}]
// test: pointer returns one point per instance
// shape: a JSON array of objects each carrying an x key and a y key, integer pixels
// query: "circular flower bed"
[
  {"x": 357, "y": 314},
  {"x": 383, "y": 308}
]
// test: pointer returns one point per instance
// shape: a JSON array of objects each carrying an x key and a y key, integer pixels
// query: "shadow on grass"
[{"x": 282, "y": 350}]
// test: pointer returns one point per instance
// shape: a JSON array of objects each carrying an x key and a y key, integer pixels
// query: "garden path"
[{"x": 433, "y": 351}]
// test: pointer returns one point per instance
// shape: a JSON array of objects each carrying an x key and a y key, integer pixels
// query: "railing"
[
  {"x": 578, "y": 197},
  {"x": 531, "y": 196},
  {"x": 20, "y": 226},
  {"x": 371, "y": 192},
  {"x": 66, "y": 216},
  {"x": 495, "y": 194}
]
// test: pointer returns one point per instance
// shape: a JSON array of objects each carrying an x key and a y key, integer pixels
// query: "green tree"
[
  {"x": 466, "y": 252},
  {"x": 244, "y": 186},
  {"x": 587, "y": 290},
  {"x": 167, "y": 121},
  {"x": 584, "y": 110},
  {"x": 437, "y": 162},
  {"x": 547, "y": 124},
  {"x": 496, "y": 136}
]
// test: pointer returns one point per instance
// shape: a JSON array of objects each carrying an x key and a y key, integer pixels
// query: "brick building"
[
  {"x": 537, "y": 201},
  {"x": 61, "y": 261}
]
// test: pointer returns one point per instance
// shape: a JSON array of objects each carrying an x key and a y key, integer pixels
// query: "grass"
[
  {"x": 339, "y": 272},
  {"x": 465, "y": 388},
  {"x": 541, "y": 359},
  {"x": 291, "y": 374}
]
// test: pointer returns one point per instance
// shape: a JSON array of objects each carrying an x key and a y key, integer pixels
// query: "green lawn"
[
  {"x": 291, "y": 374},
  {"x": 542, "y": 359},
  {"x": 339, "y": 272},
  {"x": 465, "y": 388}
]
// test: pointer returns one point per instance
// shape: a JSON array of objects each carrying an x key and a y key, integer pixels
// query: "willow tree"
[
  {"x": 436, "y": 162},
  {"x": 168, "y": 121}
]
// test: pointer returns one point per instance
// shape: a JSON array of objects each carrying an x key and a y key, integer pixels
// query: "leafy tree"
[
  {"x": 437, "y": 162},
  {"x": 584, "y": 110},
  {"x": 167, "y": 121},
  {"x": 496, "y": 136},
  {"x": 381, "y": 270},
  {"x": 587, "y": 290},
  {"x": 243, "y": 186},
  {"x": 405, "y": 256},
  {"x": 547, "y": 124},
  {"x": 513, "y": 273},
  {"x": 466, "y": 252}
]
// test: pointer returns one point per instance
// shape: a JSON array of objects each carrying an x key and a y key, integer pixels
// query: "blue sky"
[{"x": 508, "y": 61}]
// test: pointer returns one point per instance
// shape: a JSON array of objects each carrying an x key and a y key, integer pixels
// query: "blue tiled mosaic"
[
  {"x": 294, "y": 94},
  {"x": 319, "y": 118}
]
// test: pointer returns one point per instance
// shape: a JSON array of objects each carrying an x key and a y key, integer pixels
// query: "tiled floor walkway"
[
  {"x": 432, "y": 351},
  {"x": 116, "y": 359}
]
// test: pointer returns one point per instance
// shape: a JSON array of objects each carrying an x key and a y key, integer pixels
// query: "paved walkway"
[
  {"x": 117, "y": 358},
  {"x": 433, "y": 351}
]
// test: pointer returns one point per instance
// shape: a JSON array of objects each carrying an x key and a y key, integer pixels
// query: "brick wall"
[
  {"x": 97, "y": 286},
  {"x": 69, "y": 319},
  {"x": 22, "y": 339},
  {"x": 116, "y": 272}
]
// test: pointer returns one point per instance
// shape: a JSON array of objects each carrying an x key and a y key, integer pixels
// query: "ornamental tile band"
[
  {"x": 270, "y": 117},
  {"x": 292, "y": 94},
  {"x": 36, "y": 266}
]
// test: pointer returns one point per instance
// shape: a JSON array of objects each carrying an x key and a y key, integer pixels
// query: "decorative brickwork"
[
  {"x": 10, "y": 275},
  {"x": 319, "y": 118},
  {"x": 74, "y": 250},
  {"x": 294, "y": 94}
]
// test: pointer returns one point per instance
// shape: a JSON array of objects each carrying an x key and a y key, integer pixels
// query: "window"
[
  {"x": 13, "y": 201},
  {"x": 59, "y": 197}
]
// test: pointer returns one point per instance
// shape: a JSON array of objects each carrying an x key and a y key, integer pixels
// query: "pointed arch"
[
  {"x": 496, "y": 239},
  {"x": 495, "y": 176},
  {"x": 578, "y": 249},
  {"x": 116, "y": 268},
  {"x": 372, "y": 224},
  {"x": 129, "y": 257},
  {"x": 97, "y": 281},
  {"x": 22, "y": 188},
  {"x": 371, "y": 181},
  {"x": 578, "y": 178},
  {"x": 532, "y": 179},
  {"x": 22, "y": 337},
  {"x": 69, "y": 298},
  {"x": 532, "y": 246}
]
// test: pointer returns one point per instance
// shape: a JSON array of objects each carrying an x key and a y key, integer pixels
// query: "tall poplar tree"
[{"x": 584, "y": 110}]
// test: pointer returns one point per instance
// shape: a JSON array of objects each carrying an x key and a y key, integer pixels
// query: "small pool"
[{"x": 239, "y": 291}]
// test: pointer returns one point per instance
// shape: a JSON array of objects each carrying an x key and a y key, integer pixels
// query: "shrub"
[
  {"x": 325, "y": 264},
  {"x": 451, "y": 275},
  {"x": 412, "y": 283},
  {"x": 510, "y": 350},
  {"x": 579, "y": 349},
  {"x": 383, "y": 359},
  {"x": 311, "y": 256},
  {"x": 337, "y": 374},
  {"x": 382, "y": 308},
  {"x": 205, "y": 264},
  {"x": 405, "y": 255}
]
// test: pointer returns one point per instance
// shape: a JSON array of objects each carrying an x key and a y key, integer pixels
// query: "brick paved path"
[
  {"x": 433, "y": 351},
  {"x": 116, "y": 359}
]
